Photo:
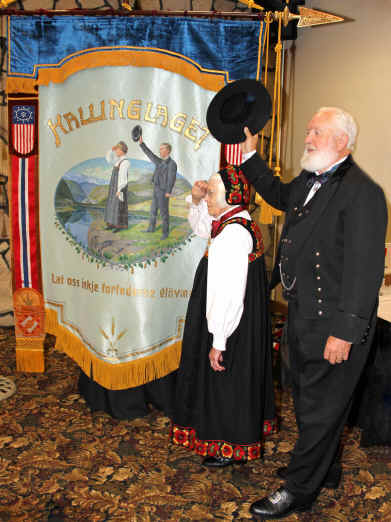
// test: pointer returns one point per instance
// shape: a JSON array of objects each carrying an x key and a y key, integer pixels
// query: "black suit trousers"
[
  {"x": 160, "y": 202},
  {"x": 322, "y": 395}
]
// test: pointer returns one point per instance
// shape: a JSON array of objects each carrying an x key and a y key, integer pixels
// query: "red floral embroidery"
[
  {"x": 226, "y": 450},
  {"x": 192, "y": 439},
  {"x": 187, "y": 438},
  {"x": 254, "y": 230},
  {"x": 236, "y": 186},
  {"x": 270, "y": 427},
  {"x": 201, "y": 448},
  {"x": 239, "y": 453},
  {"x": 254, "y": 452},
  {"x": 235, "y": 198},
  {"x": 213, "y": 449},
  {"x": 181, "y": 437},
  {"x": 233, "y": 175}
]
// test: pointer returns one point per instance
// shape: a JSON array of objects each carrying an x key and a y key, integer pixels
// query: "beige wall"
[{"x": 348, "y": 65}]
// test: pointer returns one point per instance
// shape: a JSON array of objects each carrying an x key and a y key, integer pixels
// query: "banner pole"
[{"x": 127, "y": 14}]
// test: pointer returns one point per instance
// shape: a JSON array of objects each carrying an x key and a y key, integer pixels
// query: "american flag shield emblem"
[{"x": 23, "y": 128}]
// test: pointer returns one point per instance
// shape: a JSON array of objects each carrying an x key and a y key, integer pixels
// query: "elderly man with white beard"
[
  {"x": 330, "y": 264},
  {"x": 224, "y": 397}
]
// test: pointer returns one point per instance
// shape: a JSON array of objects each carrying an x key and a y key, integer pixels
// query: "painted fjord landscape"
[{"x": 80, "y": 201}]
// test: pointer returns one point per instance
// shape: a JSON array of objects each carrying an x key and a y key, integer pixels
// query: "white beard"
[{"x": 318, "y": 160}]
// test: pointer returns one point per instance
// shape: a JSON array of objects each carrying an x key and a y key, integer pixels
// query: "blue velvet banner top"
[{"x": 220, "y": 45}]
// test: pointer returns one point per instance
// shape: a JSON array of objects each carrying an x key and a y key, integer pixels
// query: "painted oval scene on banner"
[{"x": 81, "y": 199}]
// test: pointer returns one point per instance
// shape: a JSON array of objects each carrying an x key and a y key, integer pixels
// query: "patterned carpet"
[{"x": 60, "y": 463}]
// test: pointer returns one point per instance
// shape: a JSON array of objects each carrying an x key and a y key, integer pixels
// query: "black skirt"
[
  {"x": 132, "y": 402},
  {"x": 226, "y": 413},
  {"x": 372, "y": 402},
  {"x": 116, "y": 211}
]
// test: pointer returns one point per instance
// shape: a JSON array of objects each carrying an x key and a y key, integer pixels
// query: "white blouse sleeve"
[
  {"x": 199, "y": 219},
  {"x": 123, "y": 174},
  {"x": 227, "y": 280}
]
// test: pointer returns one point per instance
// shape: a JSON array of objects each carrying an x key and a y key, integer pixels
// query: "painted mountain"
[
  {"x": 88, "y": 184},
  {"x": 80, "y": 201}
]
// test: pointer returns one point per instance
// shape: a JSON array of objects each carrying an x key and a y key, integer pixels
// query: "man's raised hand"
[{"x": 250, "y": 142}]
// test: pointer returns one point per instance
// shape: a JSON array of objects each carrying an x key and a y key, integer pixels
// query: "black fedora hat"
[
  {"x": 244, "y": 103},
  {"x": 137, "y": 132}
]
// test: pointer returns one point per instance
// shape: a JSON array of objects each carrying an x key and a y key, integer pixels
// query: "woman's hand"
[
  {"x": 216, "y": 358},
  {"x": 198, "y": 191}
]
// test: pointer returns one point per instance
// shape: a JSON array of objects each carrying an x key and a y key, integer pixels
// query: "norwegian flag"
[
  {"x": 233, "y": 154},
  {"x": 23, "y": 128}
]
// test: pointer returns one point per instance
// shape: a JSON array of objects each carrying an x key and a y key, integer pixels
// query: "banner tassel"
[{"x": 30, "y": 355}]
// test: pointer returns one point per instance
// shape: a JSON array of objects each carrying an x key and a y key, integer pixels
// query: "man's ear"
[{"x": 342, "y": 141}]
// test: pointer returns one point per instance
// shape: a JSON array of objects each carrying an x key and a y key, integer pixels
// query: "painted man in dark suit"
[
  {"x": 330, "y": 264},
  {"x": 163, "y": 180}
]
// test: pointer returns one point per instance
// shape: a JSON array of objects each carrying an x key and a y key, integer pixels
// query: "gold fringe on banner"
[
  {"x": 30, "y": 355},
  {"x": 113, "y": 376},
  {"x": 25, "y": 85}
]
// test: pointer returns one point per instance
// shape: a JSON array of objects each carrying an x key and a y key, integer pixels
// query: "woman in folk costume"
[
  {"x": 116, "y": 211},
  {"x": 224, "y": 398}
]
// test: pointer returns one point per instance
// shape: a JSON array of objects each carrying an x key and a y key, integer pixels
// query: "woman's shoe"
[{"x": 220, "y": 462}]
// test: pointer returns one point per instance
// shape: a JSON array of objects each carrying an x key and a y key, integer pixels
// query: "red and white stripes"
[{"x": 233, "y": 154}]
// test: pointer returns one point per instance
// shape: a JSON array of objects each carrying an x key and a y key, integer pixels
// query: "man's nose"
[{"x": 308, "y": 139}]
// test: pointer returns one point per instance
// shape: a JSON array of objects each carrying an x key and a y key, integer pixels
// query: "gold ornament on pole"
[
  {"x": 6, "y": 3},
  {"x": 306, "y": 18},
  {"x": 127, "y": 6},
  {"x": 310, "y": 17}
]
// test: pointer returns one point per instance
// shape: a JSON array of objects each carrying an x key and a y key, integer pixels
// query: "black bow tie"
[{"x": 320, "y": 178}]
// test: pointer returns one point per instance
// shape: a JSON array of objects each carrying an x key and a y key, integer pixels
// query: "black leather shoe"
[
  {"x": 219, "y": 462},
  {"x": 279, "y": 505},
  {"x": 331, "y": 481}
]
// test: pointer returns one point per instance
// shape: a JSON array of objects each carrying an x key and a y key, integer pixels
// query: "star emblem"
[{"x": 23, "y": 114}]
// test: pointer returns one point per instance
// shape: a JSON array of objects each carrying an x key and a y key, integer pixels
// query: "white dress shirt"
[
  {"x": 315, "y": 187},
  {"x": 124, "y": 170},
  {"x": 227, "y": 271}
]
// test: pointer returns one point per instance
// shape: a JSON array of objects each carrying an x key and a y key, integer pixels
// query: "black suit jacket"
[
  {"x": 164, "y": 176},
  {"x": 334, "y": 246}
]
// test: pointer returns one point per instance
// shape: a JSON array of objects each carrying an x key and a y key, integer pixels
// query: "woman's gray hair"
[
  {"x": 344, "y": 122},
  {"x": 221, "y": 190}
]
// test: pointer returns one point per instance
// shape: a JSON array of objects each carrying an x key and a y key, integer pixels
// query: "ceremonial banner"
[{"x": 113, "y": 283}]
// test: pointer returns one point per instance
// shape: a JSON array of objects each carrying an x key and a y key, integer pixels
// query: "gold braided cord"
[
  {"x": 266, "y": 41},
  {"x": 277, "y": 167},
  {"x": 276, "y": 100},
  {"x": 267, "y": 211}
]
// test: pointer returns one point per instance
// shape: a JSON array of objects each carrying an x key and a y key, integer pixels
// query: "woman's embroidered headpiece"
[{"x": 237, "y": 188}]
